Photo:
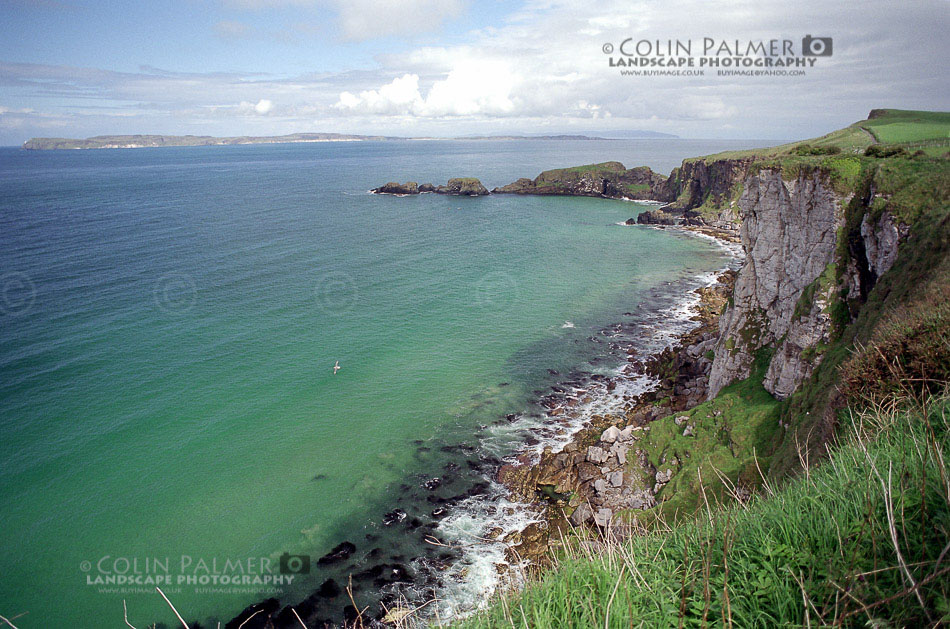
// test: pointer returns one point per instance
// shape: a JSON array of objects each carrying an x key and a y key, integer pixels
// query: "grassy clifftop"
[{"x": 924, "y": 130}]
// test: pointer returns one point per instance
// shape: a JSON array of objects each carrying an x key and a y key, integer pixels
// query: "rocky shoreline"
[{"x": 587, "y": 483}]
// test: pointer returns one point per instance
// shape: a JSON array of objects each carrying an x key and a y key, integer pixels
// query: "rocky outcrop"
[
  {"x": 460, "y": 186},
  {"x": 881, "y": 240},
  {"x": 463, "y": 186},
  {"x": 610, "y": 180},
  {"x": 410, "y": 187},
  {"x": 708, "y": 182},
  {"x": 789, "y": 234},
  {"x": 664, "y": 217},
  {"x": 655, "y": 217}
]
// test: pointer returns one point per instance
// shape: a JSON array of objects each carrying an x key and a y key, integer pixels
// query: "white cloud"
[
  {"x": 399, "y": 97},
  {"x": 471, "y": 88},
  {"x": 263, "y": 106}
]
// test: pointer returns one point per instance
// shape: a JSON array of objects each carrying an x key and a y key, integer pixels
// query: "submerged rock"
[{"x": 339, "y": 553}]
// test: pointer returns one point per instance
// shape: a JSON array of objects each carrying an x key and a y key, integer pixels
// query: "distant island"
[{"x": 147, "y": 141}]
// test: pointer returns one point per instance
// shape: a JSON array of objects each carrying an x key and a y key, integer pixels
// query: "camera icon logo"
[
  {"x": 816, "y": 46},
  {"x": 294, "y": 564}
]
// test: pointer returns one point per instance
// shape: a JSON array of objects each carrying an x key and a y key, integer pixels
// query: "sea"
[{"x": 170, "y": 415}]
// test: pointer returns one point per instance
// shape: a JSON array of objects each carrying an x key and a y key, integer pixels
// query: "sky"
[{"x": 72, "y": 68}]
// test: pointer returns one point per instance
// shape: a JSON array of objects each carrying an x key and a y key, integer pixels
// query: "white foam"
[
  {"x": 734, "y": 249},
  {"x": 568, "y": 324},
  {"x": 484, "y": 568},
  {"x": 473, "y": 579}
]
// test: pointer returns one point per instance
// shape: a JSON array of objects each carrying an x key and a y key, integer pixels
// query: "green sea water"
[{"x": 169, "y": 323}]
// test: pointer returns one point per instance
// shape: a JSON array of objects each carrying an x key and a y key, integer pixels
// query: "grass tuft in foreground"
[{"x": 859, "y": 540}]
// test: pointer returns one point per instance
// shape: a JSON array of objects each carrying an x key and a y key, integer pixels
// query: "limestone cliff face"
[
  {"x": 881, "y": 240},
  {"x": 788, "y": 232}
]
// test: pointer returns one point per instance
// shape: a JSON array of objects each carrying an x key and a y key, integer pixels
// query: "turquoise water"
[{"x": 169, "y": 322}]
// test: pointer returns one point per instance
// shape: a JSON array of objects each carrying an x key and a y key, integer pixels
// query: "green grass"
[
  {"x": 858, "y": 541},
  {"x": 727, "y": 435},
  {"x": 890, "y": 126},
  {"x": 896, "y": 126}
]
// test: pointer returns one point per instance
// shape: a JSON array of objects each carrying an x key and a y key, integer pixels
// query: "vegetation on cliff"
[{"x": 859, "y": 541}]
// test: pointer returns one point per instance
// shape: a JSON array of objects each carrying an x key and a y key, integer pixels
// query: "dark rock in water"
[
  {"x": 432, "y": 483},
  {"x": 512, "y": 416},
  {"x": 319, "y": 477},
  {"x": 503, "y": 384},
  {"x": 369, "y": 573},
  {"x": 410, "y": 187},
  {"x": 553, "y": 372},
  {"x": 630, "y": 221},
  {"x": 263, "y": 610},
  {"x": 328, "y": 589},
  {"x": 657, "y": 217},
  {"x": 339, "y": 553},
  {"x": 394, "y": 516},
  {"x": 414, "y": 523},
  {"x": 452, "y": 467},
  {"x": 460, "y": 186}
]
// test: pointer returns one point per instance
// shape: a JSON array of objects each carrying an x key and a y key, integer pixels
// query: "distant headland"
[{"x": 148, "y": 141}]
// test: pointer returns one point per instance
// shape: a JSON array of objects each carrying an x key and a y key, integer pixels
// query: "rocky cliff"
[
  {"x": 813, "y": 254},
  {"x": 699, "y": 192},
  {"x": 788, "y": 231}
]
